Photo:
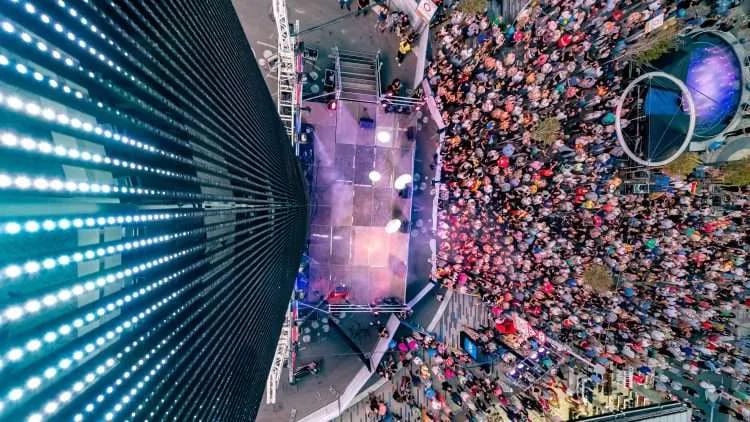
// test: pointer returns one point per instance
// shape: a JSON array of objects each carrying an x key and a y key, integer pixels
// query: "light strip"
[
  {"x": 17, "y": 312},
  {"x": 27, "y": 144},
  {"x": 103, "y": 220}
]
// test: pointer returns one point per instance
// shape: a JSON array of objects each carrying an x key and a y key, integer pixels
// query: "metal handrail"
[
  {"x": 399, "y": 100},
  {"x": 378, "y": 64},
  {"x": 355, "y": 53},
  {"x": 366, "y": 308},
  {"x": 338, "y": 73}
]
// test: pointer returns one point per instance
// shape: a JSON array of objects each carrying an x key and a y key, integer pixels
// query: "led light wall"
[{"x": 152, "y": 213}]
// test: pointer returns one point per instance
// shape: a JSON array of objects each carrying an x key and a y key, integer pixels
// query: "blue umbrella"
[{"x": 715, "y": 145}]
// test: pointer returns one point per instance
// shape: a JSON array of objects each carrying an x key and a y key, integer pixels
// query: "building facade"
[{"x": 152, "y": 213}]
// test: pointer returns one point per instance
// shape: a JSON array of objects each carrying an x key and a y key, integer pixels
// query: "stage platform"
[{"x": 349, "y": 246}]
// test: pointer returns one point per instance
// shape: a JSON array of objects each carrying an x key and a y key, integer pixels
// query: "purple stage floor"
[{"x": 348, "y": 243}]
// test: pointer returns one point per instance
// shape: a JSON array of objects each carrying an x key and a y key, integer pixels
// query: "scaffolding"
[
  {"x": 280, "y": 357},
  {"x": 288, "y": 101},
  {"x": 288, "y": 92}
]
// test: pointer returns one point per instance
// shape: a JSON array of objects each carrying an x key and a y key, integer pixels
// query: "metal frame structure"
[
  {"x": 367, "y": 308},
  {"x": 744, "y": 58},
  {"x": 618, "y": 119},
  {"x": 337, "y": 82},
  {"x": 287, "y": 89},
  {"x": 352, "y": 308},
  {"x": 394, "y": 100},
  {"x": 287, "y": 102},
  {"x": 281, "y": 355}
]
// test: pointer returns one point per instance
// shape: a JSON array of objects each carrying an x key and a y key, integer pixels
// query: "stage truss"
[
  {"x": 633, "y": 147},
  {"x": 281, "y": 356},
  {"x": 288, "y": 89},
  {"x": 289, "y": 98}
]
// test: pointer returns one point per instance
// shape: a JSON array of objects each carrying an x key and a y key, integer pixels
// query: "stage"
[{"x": 349, "y": 246}]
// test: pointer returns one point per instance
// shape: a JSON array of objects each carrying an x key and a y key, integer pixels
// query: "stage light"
[
  {"x": 15, "y": 354},
  {"x": 375, "y": 176},
  {"x": 12, "y": 228},
  {"x": 332, "y": 105},
  {"x": 393, "y": 226},
  {"x": 15, "y": 394},
  {"x": 402, "y": 181},
  {"x": 33, "y": 383},
  {"x": 383, "y": 136}
]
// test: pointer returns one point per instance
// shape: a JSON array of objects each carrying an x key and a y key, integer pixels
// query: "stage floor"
[{"x": 348, "y": 242}]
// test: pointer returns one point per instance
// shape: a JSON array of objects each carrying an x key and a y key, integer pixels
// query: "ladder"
[{"x": 286, "y": 101}]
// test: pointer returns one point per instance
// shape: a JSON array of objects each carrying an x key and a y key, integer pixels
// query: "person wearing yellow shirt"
[{"x": 404, "y": 48}]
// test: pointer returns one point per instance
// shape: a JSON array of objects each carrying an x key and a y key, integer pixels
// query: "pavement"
[{"x": 323, "y": 25}]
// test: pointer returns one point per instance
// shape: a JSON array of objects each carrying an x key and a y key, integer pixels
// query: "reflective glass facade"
[{"x": 152, "y": 213}]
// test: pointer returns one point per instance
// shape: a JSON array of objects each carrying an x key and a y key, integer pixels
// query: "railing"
[
  {"x": 338, "y": 82},
  {"x": 378, "y": 65},
  {"x": 367, "y": 308},
  {"x": 397, "y": 100},
  {"x": 661, "y": 410},
  {"x": 352, "y": 308},
  {"x": 392, "y": 100}
]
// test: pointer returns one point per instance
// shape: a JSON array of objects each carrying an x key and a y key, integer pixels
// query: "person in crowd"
[
  {"x": 404, "y": 47},
  {"x": 363, "y": 7}
]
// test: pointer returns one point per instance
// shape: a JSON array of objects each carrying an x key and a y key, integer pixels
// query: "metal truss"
[
  {"x": 351, "y": 308},
  {"x": 281, "y": 355},
  {"x": 367, "y": 308},
  {"x": 287, "y": 90}
]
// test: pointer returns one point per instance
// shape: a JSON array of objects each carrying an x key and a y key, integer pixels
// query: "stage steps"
[{"x": 358, "y": 78}]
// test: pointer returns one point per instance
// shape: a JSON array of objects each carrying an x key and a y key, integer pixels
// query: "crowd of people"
[
  {"x": 522, "y": 220},
  {"x": 433, "y": 380}
]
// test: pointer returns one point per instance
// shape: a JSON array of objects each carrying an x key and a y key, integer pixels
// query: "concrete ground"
[{"x": 323, "y": 25}]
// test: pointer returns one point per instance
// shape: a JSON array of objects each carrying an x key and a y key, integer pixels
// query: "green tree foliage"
[
  {"x": 599, "y": 278},
  {"x": 656, "y": 44},
  {"x": 737, "y": 173},
  {"x": 546, "y": 131},
  {"x": 473, "y": 7},
  {"x": 683, "y": 165}
]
